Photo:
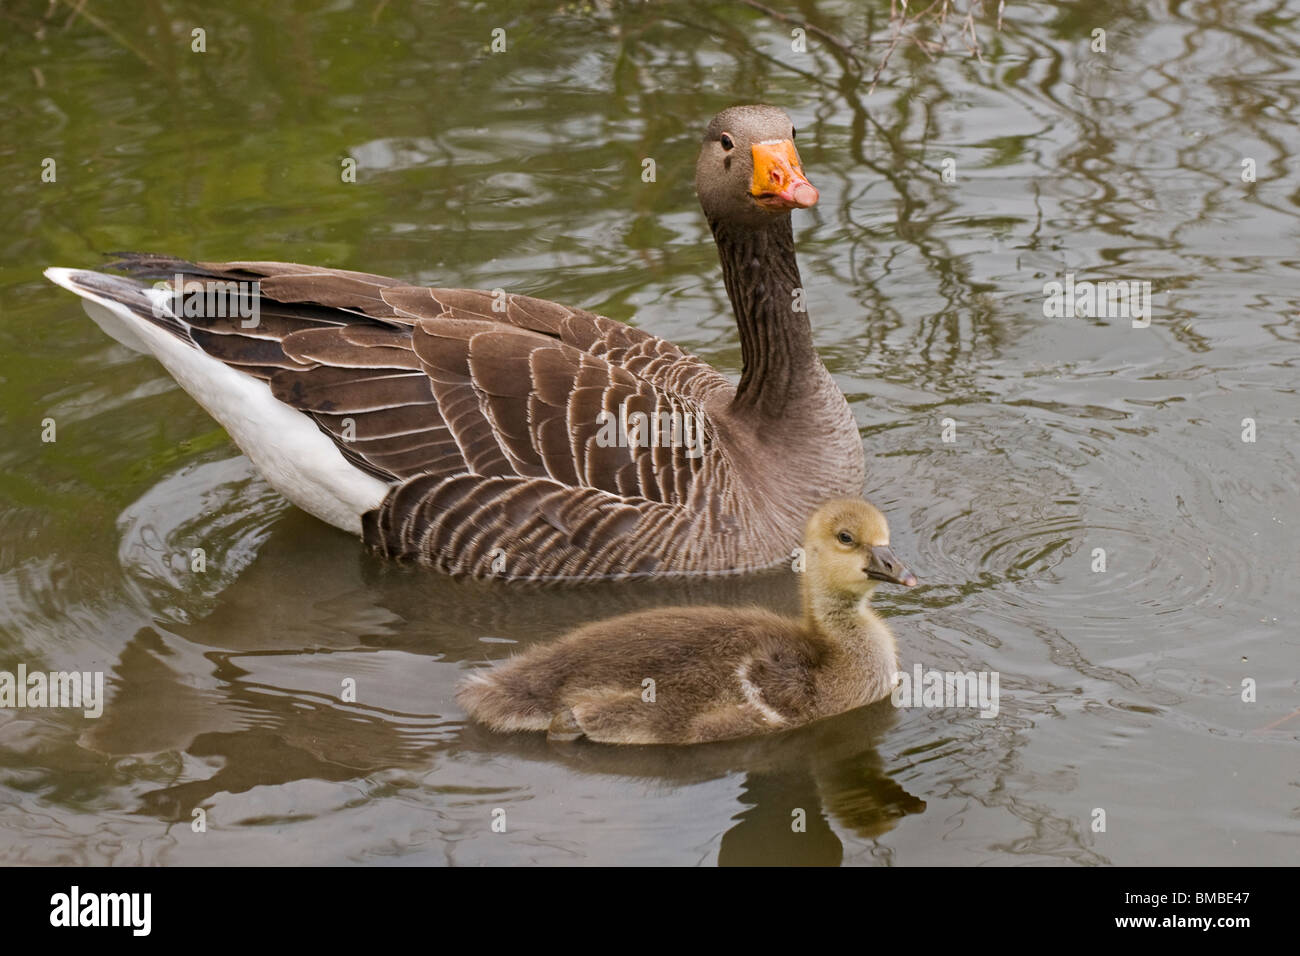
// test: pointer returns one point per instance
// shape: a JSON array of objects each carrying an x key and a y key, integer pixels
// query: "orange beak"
[{"x": 779, "y": 182}]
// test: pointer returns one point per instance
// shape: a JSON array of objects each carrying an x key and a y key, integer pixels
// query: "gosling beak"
[
  {"x": 779, "y": 182},
  {"x": 885, "y": 566}
]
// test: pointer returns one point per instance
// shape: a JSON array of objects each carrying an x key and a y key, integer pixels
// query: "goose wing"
[{"x": 503, "y": 418}]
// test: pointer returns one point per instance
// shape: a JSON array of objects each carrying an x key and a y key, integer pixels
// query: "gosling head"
[
  {"x": 847, "y": 544},
  {"x": 748, "y": 170}
]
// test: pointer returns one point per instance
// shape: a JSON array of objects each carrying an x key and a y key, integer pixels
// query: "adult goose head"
[{"x": 510, "y": 436}]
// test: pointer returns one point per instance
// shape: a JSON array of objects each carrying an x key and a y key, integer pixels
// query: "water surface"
[{"x": 1121, "y": 689}]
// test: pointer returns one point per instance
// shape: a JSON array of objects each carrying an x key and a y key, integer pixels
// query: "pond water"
[{"x": 1161, "y": 690}]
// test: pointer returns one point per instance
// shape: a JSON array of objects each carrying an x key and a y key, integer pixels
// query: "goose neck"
[
  {"x": 767, "y": 296},
  {"x": 848, "y": 623}
]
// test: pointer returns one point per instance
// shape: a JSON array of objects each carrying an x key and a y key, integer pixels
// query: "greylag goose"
[
  {"x": 501, "y": 435},
  {"x": 696, "y": 674}
]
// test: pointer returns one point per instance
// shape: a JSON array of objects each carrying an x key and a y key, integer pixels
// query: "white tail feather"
[{"x": 294, "y": 456}]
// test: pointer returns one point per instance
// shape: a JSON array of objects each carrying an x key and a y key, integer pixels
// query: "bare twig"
[
  {"x": 909, "y": 27},
  {"x": 841, "y": 45},
  {"x": 1278, "y": 723},
  {"x": 906, "y": 27},
  {"x": 79, "y": 9}
]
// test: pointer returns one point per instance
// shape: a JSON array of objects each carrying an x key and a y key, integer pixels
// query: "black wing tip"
[{"x": 151, "y": 265}]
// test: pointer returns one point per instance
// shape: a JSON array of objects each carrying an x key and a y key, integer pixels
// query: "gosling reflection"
[{"x": 829, "y": 771}]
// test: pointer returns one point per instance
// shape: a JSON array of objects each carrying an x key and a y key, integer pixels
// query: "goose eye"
[
  {"x": 845, "y": 538},
  {"x": 727, "y": 142}
]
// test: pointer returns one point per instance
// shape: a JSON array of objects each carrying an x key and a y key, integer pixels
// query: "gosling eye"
[
  {"x": 844, "y": 537},
  {"x": 727, "y": 142}
]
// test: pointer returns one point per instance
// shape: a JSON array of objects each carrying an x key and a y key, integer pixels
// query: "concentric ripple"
[{"x": 1065, "y": 513}]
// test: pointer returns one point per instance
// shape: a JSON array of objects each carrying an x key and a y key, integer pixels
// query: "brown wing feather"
[
  {"x": 483, "y": 410},
  {"x": 648, "y": 357},
  {"x": 519, "y": 528}
]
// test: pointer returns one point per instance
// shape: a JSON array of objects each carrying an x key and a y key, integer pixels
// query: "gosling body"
[{"x": 700, "y": 674}]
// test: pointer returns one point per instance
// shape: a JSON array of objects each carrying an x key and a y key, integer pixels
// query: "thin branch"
[{"x": 832, "y": 39}]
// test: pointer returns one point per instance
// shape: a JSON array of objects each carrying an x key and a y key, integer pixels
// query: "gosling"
[{"x": 692, "y": 675}]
